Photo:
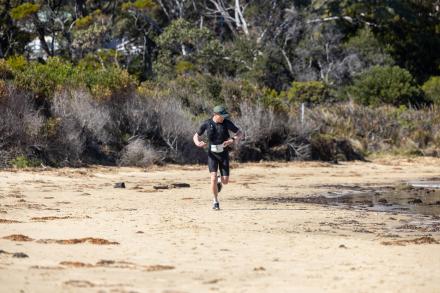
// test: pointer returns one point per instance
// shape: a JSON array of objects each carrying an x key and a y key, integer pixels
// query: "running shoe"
[{"x": 216, "y": 206}]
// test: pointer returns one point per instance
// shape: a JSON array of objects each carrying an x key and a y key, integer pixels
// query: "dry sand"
[{"x": 82, "y": 235}]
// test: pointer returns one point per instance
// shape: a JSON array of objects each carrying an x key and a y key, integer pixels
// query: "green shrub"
[
  {"x": 431, "y": 88},
  {"x": 272, "y": 99},
  {"x": 183, "y": 67},
  {"x": 23, "y": 11},
  {"x": 5, "y": 70},
  {"x": 312, "y": 92},
  {"x": 17, "y": 63},
  {"x": 107, "y": 82},
  {"x": 44, "y": 79},
  {"x": 24, "y": 162},
  {"x": 181, "y": 41},
  {"x": 139, "y": 4},
  {"x": 84, "y": 22},
  {"x": 236, "y": 91},
  {"x": 385, "y": 85}
]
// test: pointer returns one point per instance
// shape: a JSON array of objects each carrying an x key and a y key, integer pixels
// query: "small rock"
[
  {"x": 415, "y": 201},
  {"x": 382, "y": 201},
  {"x": 161, "y": 187},
  {"x": 119, "y": 185},
  {"x": 20, "y": 255},
  {"x": 140, "y": 232},
  {"x": 259, "y": 269},
  {"x": 180, "y": 185},
  {"x": 342, "y": 246},
  {"x": 105, "y": 262}
]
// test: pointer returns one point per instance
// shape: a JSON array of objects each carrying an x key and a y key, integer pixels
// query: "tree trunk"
[
  {"x": 80, "y": 7},
  {"x": 239, "y": 18},
  {"x": 147, "y": 57},
  {"x": 41, "y": 36}
]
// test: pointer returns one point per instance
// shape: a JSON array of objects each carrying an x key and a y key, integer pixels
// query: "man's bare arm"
[
  {"x": 198, "y": 142},
  {"x": 238, "y": 136}
]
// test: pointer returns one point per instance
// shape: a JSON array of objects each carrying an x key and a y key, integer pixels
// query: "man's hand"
[
  {"x": 228, "y": 142},
  {"x": 201, "y": 144}
]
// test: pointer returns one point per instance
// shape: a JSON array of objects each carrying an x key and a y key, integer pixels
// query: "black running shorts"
[{"x": 219, "y": 161}]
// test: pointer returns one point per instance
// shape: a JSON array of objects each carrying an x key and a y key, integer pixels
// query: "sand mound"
[{"x": 18, "y": 237}]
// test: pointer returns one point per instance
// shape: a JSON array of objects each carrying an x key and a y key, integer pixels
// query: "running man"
[{"x": 218, "y": 128}]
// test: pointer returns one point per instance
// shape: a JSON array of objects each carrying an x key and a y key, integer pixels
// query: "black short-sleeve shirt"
[{"x": 217, "y": 132}]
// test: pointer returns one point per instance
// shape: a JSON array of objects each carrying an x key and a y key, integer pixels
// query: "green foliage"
[
  {"x": 236, "y": 91},
  {"x": 139, "y": 4},
  {"x": 17, "y": 63},
  {"x": 44, "y": 79},
  {"x": 21, "y": 162},
  {"x": 311, "y": 92},
  {"x": 329, "y": 40},
  {"x": 84, "y": 22},
  {"x": 407, "y": 30},
  {"x": 214, "y": 87},
  {"x": 106, "y": 83},
  {"x": 371, "y": 51},
  {"x": 385, "y": 85},
  {"x": 5, "y": 70},
  {"x": 183, "y": 42},
  {"x": 431, "y": 88},
  {"x": 274, "y": 100},
  {"x": 101, "y": 59},
  {"x": 24, "y": 11},
  {"x": 184, "y": 66}
]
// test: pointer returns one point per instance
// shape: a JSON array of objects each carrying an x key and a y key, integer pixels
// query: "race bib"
[{"x": 217, "y": 148}]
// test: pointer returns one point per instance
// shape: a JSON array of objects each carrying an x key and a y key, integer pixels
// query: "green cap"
[{"x": 221, "y": 110}]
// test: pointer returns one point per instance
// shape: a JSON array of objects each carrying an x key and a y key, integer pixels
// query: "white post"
[{"x": 302, "y": 114}]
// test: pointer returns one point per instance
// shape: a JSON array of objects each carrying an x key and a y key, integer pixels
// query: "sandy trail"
[{"x": 86, "y": 236}]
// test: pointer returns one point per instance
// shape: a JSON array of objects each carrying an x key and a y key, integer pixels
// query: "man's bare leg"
[{"x": 214, "y": 186}]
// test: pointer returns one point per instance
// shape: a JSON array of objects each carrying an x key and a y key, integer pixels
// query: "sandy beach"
[{"x": 70, "y": 230}]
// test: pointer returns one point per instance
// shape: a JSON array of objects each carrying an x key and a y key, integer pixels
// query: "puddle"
[
  {"x": 422, "y": 202},
  {"x": 399, "y": 199},
  {"x": 425, "y": 184}
]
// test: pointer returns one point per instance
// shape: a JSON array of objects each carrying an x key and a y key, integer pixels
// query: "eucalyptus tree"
[{"x": 49, "y": 20}]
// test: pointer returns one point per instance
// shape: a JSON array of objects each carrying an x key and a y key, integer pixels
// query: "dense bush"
[
  {"x": 5, "y": 70},
  {"x": 138, "y": 153},
  {"x": 44, "y": 80},
  {"x": 107, "y": 83},
  {"x": 24, "y": 162},
  {"x": 310, "y": 92},
  {"x": 385, "y": 85},
  {"x": 20, "y": 125},
  {"x": 382, "y": 129},
  {"x": 154, "y": 123},
  {"x": 185, "y": 48},
  {"x": 431, "y": 88}
]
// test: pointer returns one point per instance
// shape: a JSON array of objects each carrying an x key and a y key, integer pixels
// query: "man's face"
[{"x": 219, "y": 118}]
